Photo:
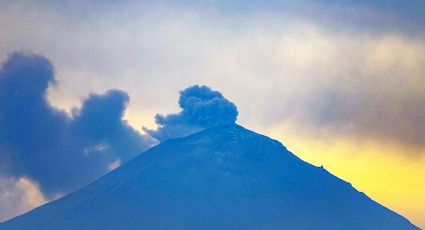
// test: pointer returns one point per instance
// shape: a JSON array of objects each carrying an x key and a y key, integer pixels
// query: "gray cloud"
[
  {"x": 335, "y": 67},
  {"x": 329, "y": 69},
  {"x": 44, "y": 144},
  {"x": 201, "y": 108},
  {"x": 370, "y": 113}
]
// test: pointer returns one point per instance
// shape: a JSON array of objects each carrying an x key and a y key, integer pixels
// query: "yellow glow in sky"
[
  {"x": 386, "y": 174},
  {"x": 389, "y": 174}
]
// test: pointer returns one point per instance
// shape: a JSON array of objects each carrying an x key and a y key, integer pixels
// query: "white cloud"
[
  {"x": 276, "y": 68},
  {"x": 295, "y": 69},
  {"x": 18, "y": 196}
]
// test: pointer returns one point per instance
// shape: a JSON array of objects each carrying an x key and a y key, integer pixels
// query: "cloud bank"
[
  {"x": 45, "y": 145},
  {"x": 201, "y": 107},
  {"x": 332, "y": 70},
  {"x": 355, "y": 73}
]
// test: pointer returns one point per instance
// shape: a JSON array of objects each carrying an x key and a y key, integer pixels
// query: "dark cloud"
[
  {"x": 201, "y": 108},
  {"x": 372, "y": 114},
  {"x": 59, "y": 152},
  {"x": 101, "y": 121}
]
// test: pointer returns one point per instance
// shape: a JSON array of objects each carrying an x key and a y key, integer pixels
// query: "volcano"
[{"x": 224, "y": 177}]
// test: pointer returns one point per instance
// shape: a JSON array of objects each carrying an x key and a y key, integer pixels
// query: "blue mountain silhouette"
[{"x": 221, "y": 178}]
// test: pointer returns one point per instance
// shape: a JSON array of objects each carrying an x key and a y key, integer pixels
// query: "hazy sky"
[{"x": 340, "y": 83}]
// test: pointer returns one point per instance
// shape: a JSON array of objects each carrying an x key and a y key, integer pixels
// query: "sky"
[{"x": 339, "y": 83}]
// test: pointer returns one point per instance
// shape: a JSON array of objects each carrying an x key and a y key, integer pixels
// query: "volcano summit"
[{"x": 224, "y": 177}]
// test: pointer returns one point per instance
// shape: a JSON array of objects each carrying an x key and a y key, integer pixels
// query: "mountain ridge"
[{"x": 220, "y": 178}]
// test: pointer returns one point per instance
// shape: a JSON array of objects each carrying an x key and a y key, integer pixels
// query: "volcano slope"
[{"x": 221, "y": 178}]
